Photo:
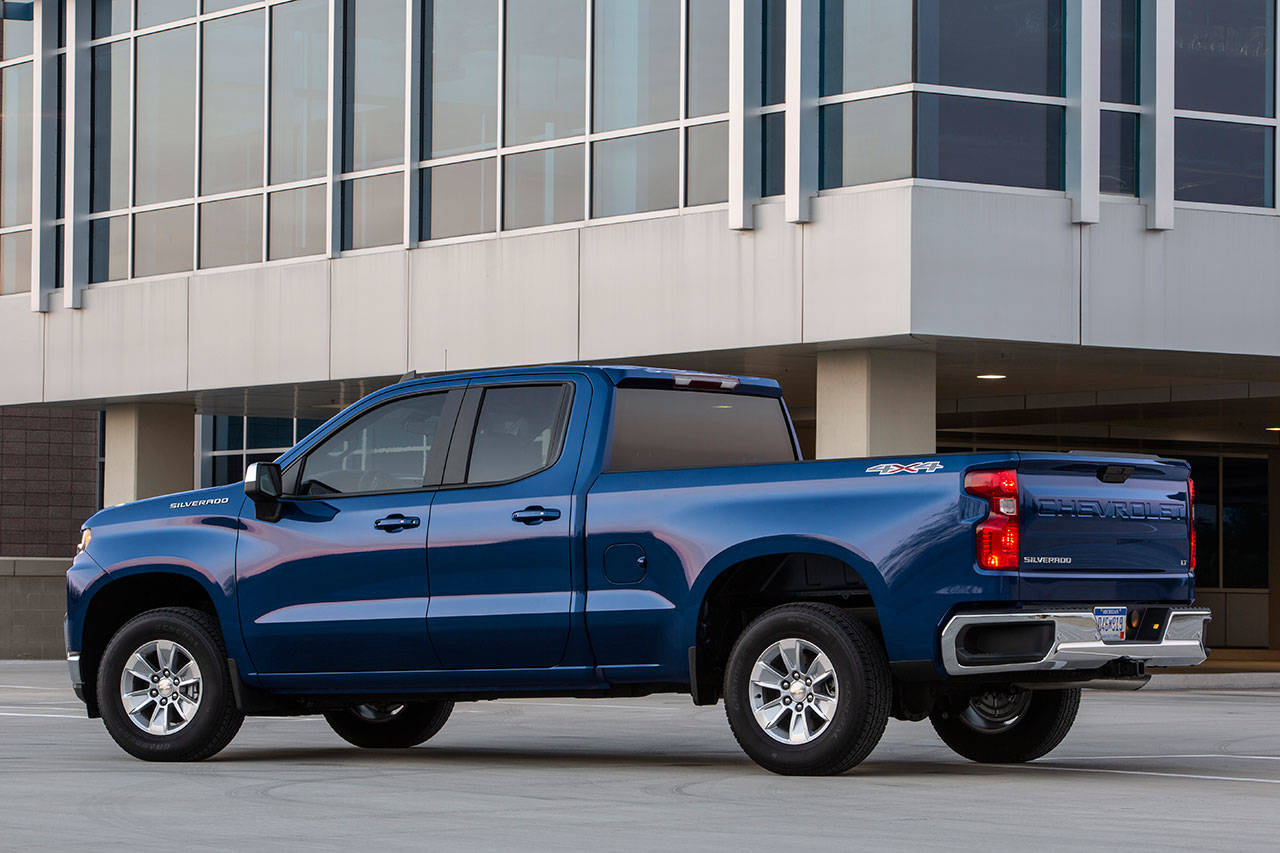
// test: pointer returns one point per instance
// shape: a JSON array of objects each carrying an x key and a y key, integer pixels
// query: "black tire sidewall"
[
  {"x": 216, "y": 693},
  {"x": 1046, "y": 721},
  {"x": 852, "y": 709},
  {"x": 417, "y": 723}
]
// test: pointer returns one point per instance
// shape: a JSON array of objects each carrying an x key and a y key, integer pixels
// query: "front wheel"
[
  {"x": 389, "y": 725},
  {"x": 1006, "y": 726},
  {"x": 807, "y": 690}
]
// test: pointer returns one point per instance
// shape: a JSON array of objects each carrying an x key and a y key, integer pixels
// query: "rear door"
[
  {"x": 500, "y": 546},
  {"x": 1104, "y": 528}
]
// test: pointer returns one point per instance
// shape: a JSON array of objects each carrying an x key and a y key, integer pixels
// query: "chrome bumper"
[{"x": 1077, "y": 644}]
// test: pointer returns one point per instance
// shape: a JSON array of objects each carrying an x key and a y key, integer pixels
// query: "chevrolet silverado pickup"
[{"x": 622, "y": 531}]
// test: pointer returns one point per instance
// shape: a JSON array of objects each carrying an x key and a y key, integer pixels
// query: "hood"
[{"x": 219, "y": 500}]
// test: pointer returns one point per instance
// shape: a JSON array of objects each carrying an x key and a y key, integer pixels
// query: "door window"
[
  {"x": 384, "y": 450},
  {"x": 518, "y": 432}
]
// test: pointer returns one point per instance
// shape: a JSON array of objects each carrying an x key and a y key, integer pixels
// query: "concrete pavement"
[{"x": 1196, "y": 768}]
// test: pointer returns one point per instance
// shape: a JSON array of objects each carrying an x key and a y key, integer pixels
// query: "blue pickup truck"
[{"x": 621, "y": 531}]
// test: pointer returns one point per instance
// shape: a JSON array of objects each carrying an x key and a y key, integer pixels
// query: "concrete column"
[
  {"x": 150, "y": 451},
  {"x": 876, "y": 403}
]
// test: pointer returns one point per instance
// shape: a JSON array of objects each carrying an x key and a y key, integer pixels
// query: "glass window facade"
[
  {"x": 984, "y": 141},
  {"x": 231, "y": 231},
  {"x": 165, "y": 117},
  {"x": 460, "y": 198},
  {"x": 867, "y": 141},
  {"x": 1225, "y": 56},
  {"x": 866, "y": 44},
  {"x": 297, "y": 222},
  {"x": 228, "y": 444},
  {"x": 1006, "y": 45},
  {"x": 635, "y": 174},
  {"x": 15, "y": 262},
  {"x": 232, "y": 92},
  {"x": 299, "y": 90},
  {"x": 708, "y": 57},
  {"x": 636, "y": 63},
  {"x": 543, "y": 187},
  {"x": 546, "y": 66},
  {"x": 373, "y": 84},
  {"x": 1224, "y": 163},
  {"x": 15, "y": 145},
  {"x": 373, "y": 211},
  {"x": 1120, "y": 51},
  {"x": 460, "y": 108},
  {"x": 162, "y": 241},
  {"x": 707, "y": 177},
  {"x": 1118, "y": 163}
]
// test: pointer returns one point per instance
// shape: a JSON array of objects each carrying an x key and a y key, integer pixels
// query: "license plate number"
[{"x": 1111, "y": 621}]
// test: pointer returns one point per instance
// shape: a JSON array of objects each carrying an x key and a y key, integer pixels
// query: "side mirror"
[{"x": 262, "y": 485}]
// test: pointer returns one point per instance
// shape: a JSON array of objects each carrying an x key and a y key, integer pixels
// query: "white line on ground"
[
  {"x": 35, "y": 708},
  {"x": 1129, "y": 757},
  {"x": 60, "y": 716},
  {"x": 26, "y": 687},
  {"x": 1195, "y": 776}
]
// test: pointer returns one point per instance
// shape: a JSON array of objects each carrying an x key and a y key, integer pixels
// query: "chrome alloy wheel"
[
  {"x": 793, "y": 691},
  {"x": 995, "y": 710},
  {"x": 161, "y": 687}
]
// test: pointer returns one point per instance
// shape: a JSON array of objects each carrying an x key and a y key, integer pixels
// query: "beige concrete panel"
[
  {"x": 685, "y": 283},
  {"x": 127, "y": 339},
  {"x": 40, "y": 567},
  {"x": 994, "y": 265},
  {"x": 260, "y": 326},
  {"x": 1123, "y": 284},
  {"x": 876, "y": 402},
  {"x": 149, "y": 451},
  {"x": 369, "y": 324},
  {"x": 857, "y": 266},
  {"x": 511, "y": 300},
  {"x": 21, "y": 351}
]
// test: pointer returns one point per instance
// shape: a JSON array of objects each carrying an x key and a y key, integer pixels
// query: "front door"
[
  {"x": 500, "y": 544},
  {"x": 339, "y": 583}
]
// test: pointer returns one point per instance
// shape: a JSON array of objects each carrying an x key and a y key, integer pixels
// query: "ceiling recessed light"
[
  {"x": 992, "y": 376},
  {"x": 1273, "y": 429}
]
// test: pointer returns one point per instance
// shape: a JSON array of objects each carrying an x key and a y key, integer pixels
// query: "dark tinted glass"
[
  {"x": 306, "y": 426},
  {"x": 1204, "y": 470},
  {"x": 162, "y": 241},
  {"x": 226, "y": 470},
  {"x": 1244, "y": 523},
  {"x": 635, "y": 173},
  {"x": 1118, "y": 155},
  {"x": 110, "y": 17},
  {"x": 655, "y": 429},
  {"x": 708, "y": 57},
  {"x": 1224, "y": 163},
  {"x": 297, "y": 222},
  {"x": 15, "y": 144},
  {"x": 636, "y": 63},
  {"x": 269, "y": 432},
  {"x": 707, "y": 172},
  {"x": 517, "y": 433},
  {"x": 773, "y": 154},
  {"x": 232, "y": 87},
  {"x": 299, "y": 89},
  {"x": 373, "y": 84},
  {"x": 865, "y": 44},
  {"x": 542, "y": 187},
  {"x": 989, "y": 142},
  {"x": 460, "y": 198},
  {"x": 385, "y": 450},
  {"x": 866, "y": 141},
  {"x": 228, "y": 432},
  {"x": 373, "y": 211},
  {"x": 1120, "y": 51},
  {"x": 773, "y": 39},
  {"x": 546, "y": 69},
  {"x": 1007, "y": 45},
  {"x": 231, "y": 232},
  {"x": 1226, "y": 56},
  {"x": 15, "y": 262},
  {"x": 109, "y": 128},
  {"x": 461, "y": 87},
  {"x": 165, "y": 124},
  {"x": 109, "y": 249}
]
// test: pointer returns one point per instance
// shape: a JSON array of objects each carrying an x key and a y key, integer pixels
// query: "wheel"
[
  {"x": 389, "y": 725},
  {"x": 807, "y": 690},
  {"x": 1006, "y": 726},
  {"x": 164, "y": 688}
]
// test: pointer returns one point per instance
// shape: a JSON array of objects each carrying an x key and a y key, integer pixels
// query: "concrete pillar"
[
  {"x": 150, "y": 451},
  {"x": 876, "y": 403}
]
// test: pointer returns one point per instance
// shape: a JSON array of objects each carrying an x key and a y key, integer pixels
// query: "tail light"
[
  {"x": 1191, "y": 522},
  {"x": 998, "y": 533}
]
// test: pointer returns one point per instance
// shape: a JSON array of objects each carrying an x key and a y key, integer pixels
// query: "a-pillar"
[
  {"x": 876, "y": 402},
  {"x": 150, "y": 450}
]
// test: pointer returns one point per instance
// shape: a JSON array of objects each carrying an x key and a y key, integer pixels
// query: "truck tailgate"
[{"x": 1099, "y": 518}]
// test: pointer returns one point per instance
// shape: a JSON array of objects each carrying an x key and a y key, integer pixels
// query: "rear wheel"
[
  {"x": 389, "y": 725},
  {"x": 807, "y": 690},
  {"x": 1007, "y": 725},
  {"x": 164, "y": 688}
]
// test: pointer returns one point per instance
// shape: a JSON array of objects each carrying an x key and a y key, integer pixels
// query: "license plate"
[{"x": 1111, "y": 621}]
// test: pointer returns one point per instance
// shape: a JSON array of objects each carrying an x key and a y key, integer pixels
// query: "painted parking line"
[
  {"x": 1189, "y": 755},
  {"x": 1194, "y": 776},
  {"x": 58, "y": 716},
  {"x": 28, "y": 687}
]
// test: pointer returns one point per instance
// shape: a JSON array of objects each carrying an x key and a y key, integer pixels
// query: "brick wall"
[
  {"x": 48, "y": 479},
  {"x": 48, "y": 487}
]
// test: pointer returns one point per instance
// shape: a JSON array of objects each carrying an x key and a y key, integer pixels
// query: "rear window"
[{"x": 655, "y": 429}]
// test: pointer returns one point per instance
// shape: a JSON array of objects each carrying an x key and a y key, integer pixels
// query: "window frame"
[
  {"x": 462, "y": 444},
  {"x": 435, "y": 462}
]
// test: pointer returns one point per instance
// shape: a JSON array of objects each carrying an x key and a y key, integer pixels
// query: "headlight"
[{"x": 85, "y": 536}]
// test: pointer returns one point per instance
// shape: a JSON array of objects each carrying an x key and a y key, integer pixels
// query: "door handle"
[
  {"x": 534, "y": 515},
  {"x": 397, "y": 522}
]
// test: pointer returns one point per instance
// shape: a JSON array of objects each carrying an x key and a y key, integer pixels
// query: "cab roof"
[{"x": 624, "y": 375}]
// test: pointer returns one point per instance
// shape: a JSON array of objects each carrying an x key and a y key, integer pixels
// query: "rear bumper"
[{"x": 1073, "y": 642}]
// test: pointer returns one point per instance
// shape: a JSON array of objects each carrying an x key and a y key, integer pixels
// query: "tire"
[
  {"x": 1037, "y": 723},
  {"x": 844, "y": 714},
  {"x": 192, "y": 639},
  {"x": 389, "y": 726}
]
